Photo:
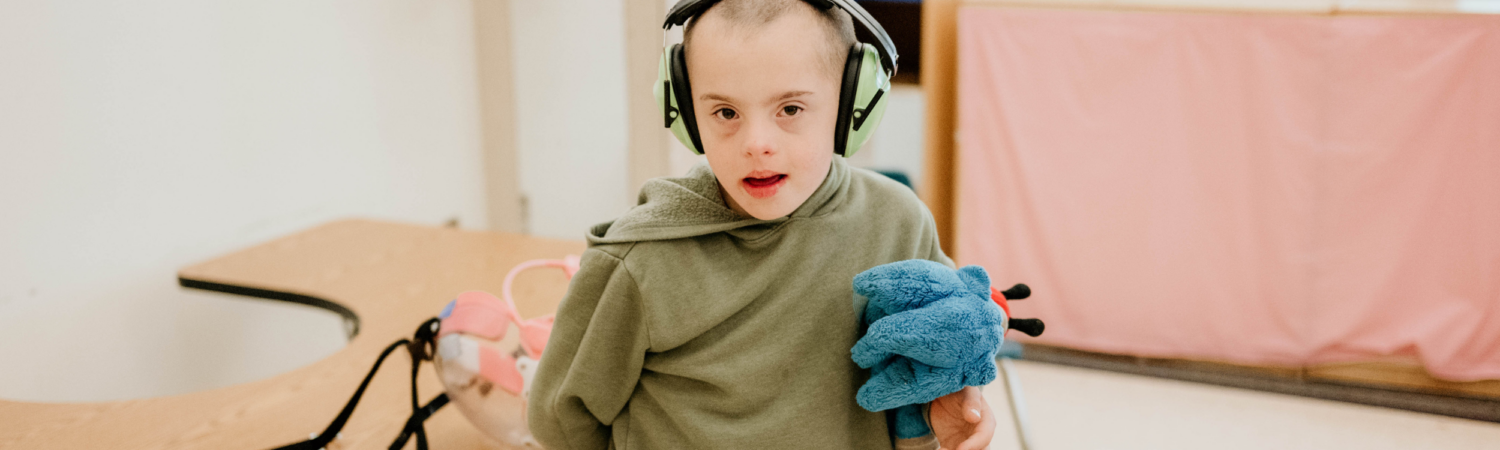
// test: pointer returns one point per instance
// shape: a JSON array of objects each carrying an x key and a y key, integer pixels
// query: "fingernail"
[{"x": 975, "y": 412}]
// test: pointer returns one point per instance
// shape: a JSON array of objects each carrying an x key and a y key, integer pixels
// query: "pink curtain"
[{"x": 1262, "y": 189}]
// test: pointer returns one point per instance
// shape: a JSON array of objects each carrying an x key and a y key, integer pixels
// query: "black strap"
[
  {"x": 322, "y": 439},
  {"x": 864, "y": 113},
  {"x": 414, "y": 423},
  {"x": 666, "y": 104},
  {"x": 421, "y": 349}
]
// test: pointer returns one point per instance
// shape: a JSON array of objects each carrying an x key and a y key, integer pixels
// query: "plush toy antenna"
[{"x": 1032, "y": 327}]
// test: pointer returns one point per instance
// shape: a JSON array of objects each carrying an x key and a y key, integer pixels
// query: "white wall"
[
  {"x": 1479, "y": 6},
  {"x": 139, "y": 137},
  {"x": 570, "y": 113},
  {"x": 897, "y": 144}
]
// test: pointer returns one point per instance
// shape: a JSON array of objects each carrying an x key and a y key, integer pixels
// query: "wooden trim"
[
  {"x": 648, "y": 146},
  {"x": 351, "y": 320},
  {"x": 1390, "y": 385},
  {"x": 504, "y": 204},
  {"x": 1403, "y": 375},
  {"x": 939, "y": 84}
]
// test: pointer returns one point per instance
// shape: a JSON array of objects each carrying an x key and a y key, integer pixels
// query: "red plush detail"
[{"x": 999, "y": 299}]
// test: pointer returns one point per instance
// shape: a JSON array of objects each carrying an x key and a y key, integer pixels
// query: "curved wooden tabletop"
[{"x": 389, "y": 276}]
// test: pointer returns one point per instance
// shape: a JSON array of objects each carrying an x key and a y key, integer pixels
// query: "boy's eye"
[
  {"x": 726, "y": 114},
  {"x": 791, "y": 110}
]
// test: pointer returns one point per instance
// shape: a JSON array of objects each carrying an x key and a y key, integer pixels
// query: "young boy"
[{"x": 718, "y": 313}]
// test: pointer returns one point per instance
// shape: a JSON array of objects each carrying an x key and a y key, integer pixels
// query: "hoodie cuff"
[
  {"x": 928, "y": 442},
  {"x": 925, "y": 442}
]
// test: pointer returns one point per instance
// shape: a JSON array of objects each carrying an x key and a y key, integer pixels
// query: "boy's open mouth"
[{"x": 762, "y": 183}]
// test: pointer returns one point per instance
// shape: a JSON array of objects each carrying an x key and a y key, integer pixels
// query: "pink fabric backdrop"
[{"x": 1264, "y": 189}]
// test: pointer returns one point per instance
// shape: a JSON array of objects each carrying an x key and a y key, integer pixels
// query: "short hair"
[{"x": 837, "y": 26}]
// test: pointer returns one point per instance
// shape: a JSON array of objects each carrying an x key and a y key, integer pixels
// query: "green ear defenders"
[{"x": 866, "y": 79}]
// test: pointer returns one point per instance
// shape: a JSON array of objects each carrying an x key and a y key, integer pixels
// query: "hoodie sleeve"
[
  {"x": 934, "y": 245},
  {"x": 593, "y": 358}
]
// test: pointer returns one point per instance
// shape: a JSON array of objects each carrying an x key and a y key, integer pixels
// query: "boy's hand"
[{"x": 963, "y": 420}]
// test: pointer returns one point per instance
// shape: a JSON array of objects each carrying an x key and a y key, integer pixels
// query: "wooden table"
[{"x": 387, "y": 278}]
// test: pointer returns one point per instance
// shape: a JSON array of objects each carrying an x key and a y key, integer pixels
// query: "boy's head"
[{"x": 766, "y": 77}]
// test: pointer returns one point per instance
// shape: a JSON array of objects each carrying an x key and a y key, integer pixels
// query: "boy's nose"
[
  {"x": 761, "y": 139},
  {"x": 760, "y": 148}
]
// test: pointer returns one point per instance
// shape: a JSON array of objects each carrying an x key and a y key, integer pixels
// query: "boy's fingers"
[
  {"x": 953, "y": 406},
  {"x": 984, "y": 433},
  {"x": 973, "y": 404}
]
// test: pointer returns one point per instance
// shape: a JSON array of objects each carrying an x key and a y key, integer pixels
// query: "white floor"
[{"x": 1073, "y": 408}]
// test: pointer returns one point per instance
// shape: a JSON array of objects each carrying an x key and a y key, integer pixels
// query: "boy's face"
[{"x": 766, "y": 104}]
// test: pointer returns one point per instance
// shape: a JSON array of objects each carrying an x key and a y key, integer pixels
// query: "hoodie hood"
[{"x": 689, "y": 206}]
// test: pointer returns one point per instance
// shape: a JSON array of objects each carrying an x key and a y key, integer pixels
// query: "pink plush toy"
[{"x": 487, "y": 369}]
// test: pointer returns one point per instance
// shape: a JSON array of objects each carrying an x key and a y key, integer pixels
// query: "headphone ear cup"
[
  {"x": 678, "y": 90},
  {"x": 861, "y": 100},
  {"x": 678, "y": 118}
]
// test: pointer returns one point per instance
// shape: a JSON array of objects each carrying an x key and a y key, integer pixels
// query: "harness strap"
[{"x": 420, "y": 349}]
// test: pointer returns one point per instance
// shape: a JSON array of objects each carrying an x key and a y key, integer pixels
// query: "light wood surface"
[{"x": 392, "y": 276}]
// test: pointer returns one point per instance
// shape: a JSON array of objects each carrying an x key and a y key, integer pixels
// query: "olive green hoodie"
[{"x": 692, "y": 327}]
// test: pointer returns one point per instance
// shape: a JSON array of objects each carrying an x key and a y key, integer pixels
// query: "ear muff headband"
[
  {"x": 687, "y": 9},
  {"x": 864, "y": 82}
]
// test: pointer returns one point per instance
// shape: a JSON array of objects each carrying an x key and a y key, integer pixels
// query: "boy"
[{"x": 718, "y": 312}]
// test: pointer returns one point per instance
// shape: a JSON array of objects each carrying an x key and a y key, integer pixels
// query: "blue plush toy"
[{"x": 931, "y": 331}]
